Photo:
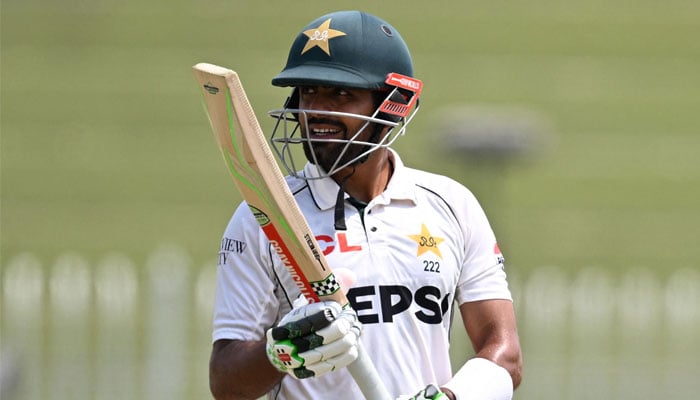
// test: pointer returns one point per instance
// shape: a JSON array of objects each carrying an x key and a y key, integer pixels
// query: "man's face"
[{"x": 354, "y": 101}]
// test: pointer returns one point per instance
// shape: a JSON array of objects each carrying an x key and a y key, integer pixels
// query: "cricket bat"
[{"x": 259, "y": 179}]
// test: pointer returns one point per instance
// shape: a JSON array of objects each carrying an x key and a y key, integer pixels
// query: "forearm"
[
  {"x": 240, "y": 370},
  {"x": 506, "y": 353},
  {"x": 496, "y": 369},
  {"x": 492, "y": 329}
]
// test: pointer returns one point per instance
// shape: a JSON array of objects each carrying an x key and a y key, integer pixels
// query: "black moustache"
[{"x": 326, "y": 121}]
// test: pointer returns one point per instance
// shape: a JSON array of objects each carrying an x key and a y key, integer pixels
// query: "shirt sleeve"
[
  {"x": 244, "y": 305},
  {"x": 483, "y": 275}
]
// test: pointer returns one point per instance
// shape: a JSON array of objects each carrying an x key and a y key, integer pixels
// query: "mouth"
[
  {"x": 324, "y": 129},
  {"x": 322, "y": 132}
]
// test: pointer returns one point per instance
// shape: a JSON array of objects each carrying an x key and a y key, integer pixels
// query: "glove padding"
[
  {"x": 430, "y": 392},
  {"x": 314, "y": 339}
]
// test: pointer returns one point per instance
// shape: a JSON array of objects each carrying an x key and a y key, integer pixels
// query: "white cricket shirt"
[{"x": 425, "y": 245}]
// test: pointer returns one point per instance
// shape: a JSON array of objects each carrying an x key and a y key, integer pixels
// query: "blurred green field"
[{"x": 105, "y": 146}]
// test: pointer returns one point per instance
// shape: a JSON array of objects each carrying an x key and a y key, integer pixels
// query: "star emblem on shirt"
[
  {"x": 319, "y": 37},
  {"x": 427, "y": 242}
]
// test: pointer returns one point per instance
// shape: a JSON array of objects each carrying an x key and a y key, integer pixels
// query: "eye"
[{"x": 307, "y": 90}]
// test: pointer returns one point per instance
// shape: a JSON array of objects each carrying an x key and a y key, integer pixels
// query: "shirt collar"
[{"x": 400, "y": 187}]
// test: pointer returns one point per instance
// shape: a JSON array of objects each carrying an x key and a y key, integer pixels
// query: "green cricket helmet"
[{"x": 348, "y": 49}]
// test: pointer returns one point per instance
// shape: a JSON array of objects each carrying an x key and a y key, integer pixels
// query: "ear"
[
  {"x": 396, "y": 97},
  {"x": 292, "y": 102},
  {"x": 293, "y": 99}
]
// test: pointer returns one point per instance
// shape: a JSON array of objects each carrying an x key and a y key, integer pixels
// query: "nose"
[{"x": 318, "y": 102}]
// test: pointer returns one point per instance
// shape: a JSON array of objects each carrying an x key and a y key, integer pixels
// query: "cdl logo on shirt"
[
  {"x": 375, "y": 304},
  {"x": 329, "y": 244}
]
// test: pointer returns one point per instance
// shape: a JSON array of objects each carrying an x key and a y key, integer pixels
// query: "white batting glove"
[
  {"x": 431, "y": 392},
  {"x": 314, "y": 339}
]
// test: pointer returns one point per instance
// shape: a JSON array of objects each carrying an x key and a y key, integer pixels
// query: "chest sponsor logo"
[
  {"x": 381, "y": 304},
  {"x": 328, "y": 244}
]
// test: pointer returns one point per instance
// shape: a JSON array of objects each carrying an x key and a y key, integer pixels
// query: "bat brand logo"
[
  {"x": 260, "y": 216},
  {"x": 312, "y": 247},
  {"x": 298, "y": 279},
  {"x": 281, "y": 249},
  {"x": 211, "y": 88}
]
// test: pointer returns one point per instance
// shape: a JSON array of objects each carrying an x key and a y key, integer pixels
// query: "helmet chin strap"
[
  {"x": 340, "y": 203},
  {"x": 372, "y": 139},
  {"x": 340, "y": 199}
]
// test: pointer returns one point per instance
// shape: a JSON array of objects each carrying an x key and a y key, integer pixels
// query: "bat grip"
[{"x": 367, "y": 377}]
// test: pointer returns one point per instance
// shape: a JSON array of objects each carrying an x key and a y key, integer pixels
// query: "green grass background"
[{"x": 105, "y": 146}]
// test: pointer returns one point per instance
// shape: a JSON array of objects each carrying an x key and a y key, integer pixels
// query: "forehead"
[{"x": 327, "y": 88}]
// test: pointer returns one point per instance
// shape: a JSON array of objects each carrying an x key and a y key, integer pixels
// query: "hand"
[
  {"x": 430, "y": 392},
  {"x": 314, "y": 339}
]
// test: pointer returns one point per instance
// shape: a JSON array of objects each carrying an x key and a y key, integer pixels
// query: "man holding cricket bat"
[{"x": 410, "y": 248}]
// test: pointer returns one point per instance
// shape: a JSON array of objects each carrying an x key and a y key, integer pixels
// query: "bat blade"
[
  {"x": 256, "y": 175},
  {"x": 254, "y": 170}
]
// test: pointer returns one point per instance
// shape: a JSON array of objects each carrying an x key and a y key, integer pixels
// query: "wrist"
[
  {"x": 448, "y": 393},
  {"x": 480, "y": 378}
]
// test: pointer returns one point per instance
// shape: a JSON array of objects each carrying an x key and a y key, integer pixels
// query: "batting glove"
[
  {"x": 431, "y": 392},
  {"x": 314, "y": 339}
]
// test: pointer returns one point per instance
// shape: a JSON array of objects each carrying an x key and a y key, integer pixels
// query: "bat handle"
[{"x": 367, "y": 377}]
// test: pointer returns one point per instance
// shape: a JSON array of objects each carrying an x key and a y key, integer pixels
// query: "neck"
[{"x": 369, "y": 178}]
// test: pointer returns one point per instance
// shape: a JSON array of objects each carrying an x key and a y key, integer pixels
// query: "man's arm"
[
  {"x": 492, "y": 328},
  {"x": 240, "y": 370}
]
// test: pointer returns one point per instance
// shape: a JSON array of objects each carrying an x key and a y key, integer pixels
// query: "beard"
[{"x": 328, "y": 155}]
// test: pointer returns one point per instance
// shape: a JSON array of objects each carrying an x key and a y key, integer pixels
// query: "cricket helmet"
[{"x": 346, "y": 48}]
